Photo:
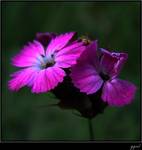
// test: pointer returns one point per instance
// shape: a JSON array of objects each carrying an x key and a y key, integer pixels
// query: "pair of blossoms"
[{"x": 44, "y": 62}]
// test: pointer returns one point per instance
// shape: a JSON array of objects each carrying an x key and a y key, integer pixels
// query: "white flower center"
[{"x": 46, "y": 61}]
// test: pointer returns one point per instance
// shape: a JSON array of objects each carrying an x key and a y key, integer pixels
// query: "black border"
[{"x": 135, "y": 142}]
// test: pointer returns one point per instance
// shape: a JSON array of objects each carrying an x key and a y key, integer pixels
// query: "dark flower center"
[
  {"x": 47, "y": 65},
  {"x": 104, "y": 76}
]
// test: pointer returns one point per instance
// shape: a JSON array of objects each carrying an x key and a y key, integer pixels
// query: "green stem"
[{"x": 91, "y": 133}]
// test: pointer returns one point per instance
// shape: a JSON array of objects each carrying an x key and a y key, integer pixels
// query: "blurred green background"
[{"x": 25, "y": 116}]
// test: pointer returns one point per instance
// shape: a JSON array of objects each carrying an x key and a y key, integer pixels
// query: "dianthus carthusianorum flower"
[
  {"x": 42, "y": 62},
  {"x": 98, "y": 69}
]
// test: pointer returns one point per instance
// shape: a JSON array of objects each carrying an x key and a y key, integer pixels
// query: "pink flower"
[
  {"x": 99, "y": 69},
  {"x": 43, "y": 66}
]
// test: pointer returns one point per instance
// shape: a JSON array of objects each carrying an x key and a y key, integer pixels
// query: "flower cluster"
[{"x": 82, "y": 75}]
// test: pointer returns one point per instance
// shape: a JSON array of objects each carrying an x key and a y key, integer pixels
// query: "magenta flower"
[
  {"x": 99, "y": 69},
  {"x": 43, "y": 66}
]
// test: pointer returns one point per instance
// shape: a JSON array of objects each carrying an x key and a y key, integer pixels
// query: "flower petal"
[
  {"x": 111, "y": 62},
  {"x": 47, "y": 79},
  {"x": 91, "y": 55},
  {"x": 85, "y": 77},
  {"x": 59, "y": 42},
  {"x": 118, "y": 92},
  {"x": 118, "y": 66},
  {"x": 45, "y": 38},
  {"x": 69, "y": 55},
  {"x": 28, "y": 55},
  {"x": 22, "y": 78}
]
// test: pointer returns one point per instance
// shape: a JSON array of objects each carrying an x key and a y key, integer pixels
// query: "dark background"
[{"x": 25, "y": 116}]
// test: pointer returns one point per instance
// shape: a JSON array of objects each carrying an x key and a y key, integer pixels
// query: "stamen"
[{"x": 47, "y": 61}]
